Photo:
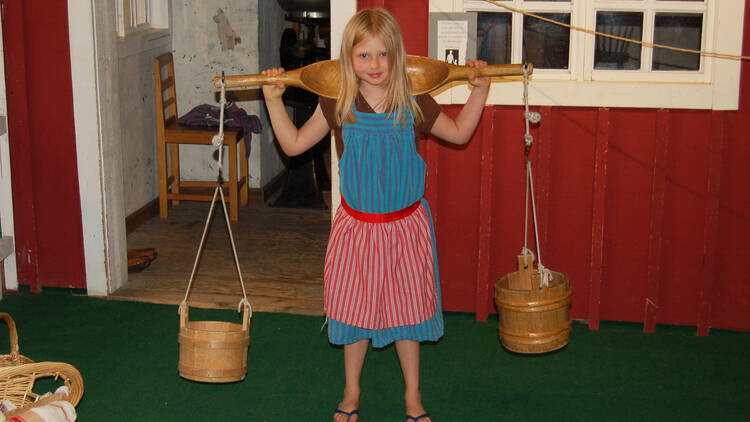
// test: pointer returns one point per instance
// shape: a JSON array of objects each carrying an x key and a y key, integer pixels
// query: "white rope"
[
  {"x": 526, "y": 251},
  {"x": 234, "y": 253},
  {"x": 200, "y": 247},
  {"x": 528, "y": 140},
  {"x": 529, "y": 117},
  {"x": 546, "y": 274},
  {"x": 218, "y": 141}
]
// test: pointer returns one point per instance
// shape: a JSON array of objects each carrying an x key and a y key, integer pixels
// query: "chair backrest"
[{"x": 166, "y": 92}]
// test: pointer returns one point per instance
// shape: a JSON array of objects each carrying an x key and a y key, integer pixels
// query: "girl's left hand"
[{"x": 474, "y": 80}]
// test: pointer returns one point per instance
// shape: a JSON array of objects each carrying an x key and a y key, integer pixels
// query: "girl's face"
[{"x": 370, "y": 61}]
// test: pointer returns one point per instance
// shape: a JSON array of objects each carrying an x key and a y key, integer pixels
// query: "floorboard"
[{"x": 280, "y": 250}]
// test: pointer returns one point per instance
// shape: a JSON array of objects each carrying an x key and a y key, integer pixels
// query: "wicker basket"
[
  {"x": 14, "y": 357},
  {"x": 19, "y": 373}
]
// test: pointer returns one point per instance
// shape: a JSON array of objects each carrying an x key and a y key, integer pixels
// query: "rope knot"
[
  {"x": 528, "y": 252},
  {"x": 533, "y": 116},
  {"x": 245, "y": 303},
  {"x": 545, "y": 276}
]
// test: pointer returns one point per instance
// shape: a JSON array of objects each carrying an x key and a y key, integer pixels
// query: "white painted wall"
[
  {"x": 137, "y": 105},
  {"x": 199, "y": 58},
  {"x": 6, "y": 195},
  {"x": 96, "y": 83},
  {"x": 88, "y": 145},
  {"x": 270, "y": 27}
]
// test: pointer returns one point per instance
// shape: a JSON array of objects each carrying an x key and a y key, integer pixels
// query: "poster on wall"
[
  {"x": 453, "y": 37},
  {"x": 452, "y": 41}
]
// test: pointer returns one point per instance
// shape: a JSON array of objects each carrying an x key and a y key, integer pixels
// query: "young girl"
[{"x": 381, "y": 273}]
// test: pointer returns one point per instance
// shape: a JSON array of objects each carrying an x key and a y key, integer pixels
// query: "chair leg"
[
  {"x": 174, "y": 157},
  {"x": 233, "y": 203},
  {"x": 162, "y": 165},
  {"x": 244, "y": 186}
]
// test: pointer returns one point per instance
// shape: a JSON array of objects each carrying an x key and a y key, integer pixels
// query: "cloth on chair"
[{"x": 234, "y": 116}]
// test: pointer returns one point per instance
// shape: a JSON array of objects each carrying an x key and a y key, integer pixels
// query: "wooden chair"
[{"x": 170, "y": 132}]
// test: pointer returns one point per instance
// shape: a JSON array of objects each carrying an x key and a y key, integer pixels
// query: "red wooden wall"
[
  {"x": 645, "y": 210},
  {"x": 46, "y": 201}
]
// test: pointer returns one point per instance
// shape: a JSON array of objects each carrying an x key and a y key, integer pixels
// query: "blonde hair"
[{"x": 365, "y": 24}]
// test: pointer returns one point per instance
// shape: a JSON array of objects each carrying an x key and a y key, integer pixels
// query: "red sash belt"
[{"x": 380, "y": 218}]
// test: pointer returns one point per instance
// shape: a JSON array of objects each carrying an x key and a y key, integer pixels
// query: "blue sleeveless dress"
[{"x": 381, "y": 172}]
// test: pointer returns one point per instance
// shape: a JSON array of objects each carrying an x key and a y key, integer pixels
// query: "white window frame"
[
  {"x": 156, "y": 11},
  {"x": 714, "y": 86}
]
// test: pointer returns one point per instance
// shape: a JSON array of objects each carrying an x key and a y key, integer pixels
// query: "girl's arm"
[
  {"x": 459, "y": 131},
  {"x": 292, "y": 140}
]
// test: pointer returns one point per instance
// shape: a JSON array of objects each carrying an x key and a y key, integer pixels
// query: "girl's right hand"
[{"x": 277, "y": 89}]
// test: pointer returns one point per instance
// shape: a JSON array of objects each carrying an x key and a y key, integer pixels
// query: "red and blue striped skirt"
[{"x": 381, "y": 277}]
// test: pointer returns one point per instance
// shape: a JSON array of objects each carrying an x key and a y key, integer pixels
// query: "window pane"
[
  {"x": 494, "y": 37},
  {"x": 677, "y": 30},
  {"x": 611, "y": 53},
  {"x": 546, "y": 45}
]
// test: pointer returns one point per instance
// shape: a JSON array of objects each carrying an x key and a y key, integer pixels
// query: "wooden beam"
[
  {"x": 484, "y": 255},
  {"x": 656, "y": 220},
  {"x": 597, "y": 220},
  {"x": 711, "y": 224}
]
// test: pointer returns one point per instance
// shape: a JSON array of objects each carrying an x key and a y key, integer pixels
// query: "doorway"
[{"x": 280, "y": 245}]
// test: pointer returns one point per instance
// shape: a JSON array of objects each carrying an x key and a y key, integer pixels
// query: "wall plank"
[
  {"x": 709, "y": 268},
  {"x": 484, "y": 284},
  {"x": 597, "y": 223},
  {"x": 656, "y": 220}
]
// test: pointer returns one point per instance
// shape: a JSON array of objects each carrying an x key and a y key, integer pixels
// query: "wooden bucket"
[
  {"x": 530, "y": 319},
  {"x": 213, "y": 351}
]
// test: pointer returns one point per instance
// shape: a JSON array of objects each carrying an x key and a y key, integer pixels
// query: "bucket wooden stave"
[
  {"x": 213, "y": 351},
  {"x": 533, "y": 320}
]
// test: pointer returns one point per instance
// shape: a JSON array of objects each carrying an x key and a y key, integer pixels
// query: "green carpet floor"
[{"x": 128, "y": 353}]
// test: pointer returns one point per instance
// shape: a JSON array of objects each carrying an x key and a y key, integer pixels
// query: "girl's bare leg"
[
  {"x": 354, "y": 359},
  {"x": 408, "y": 355}
]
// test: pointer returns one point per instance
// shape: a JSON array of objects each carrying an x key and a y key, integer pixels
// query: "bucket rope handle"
[
  {"x": 218, "y": 141},
  {"x": 529, "y": 117}
]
